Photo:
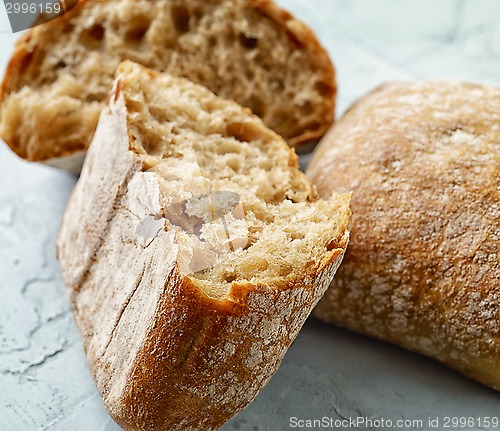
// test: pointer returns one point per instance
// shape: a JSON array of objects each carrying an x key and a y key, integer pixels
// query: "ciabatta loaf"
[
  {"x": 423, "y": 267},
  {"x": 193, "y": 250},
  {"x": 250, "y": 51}
]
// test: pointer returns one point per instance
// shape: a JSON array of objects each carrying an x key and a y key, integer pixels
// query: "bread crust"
[
  {"x": 423, "y": 269},
  {"x": 164, "y": 355},
  {"x": 45, "y": 144}
]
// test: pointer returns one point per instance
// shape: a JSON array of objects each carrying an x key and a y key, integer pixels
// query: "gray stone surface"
[{"x": 328, "y": 372}]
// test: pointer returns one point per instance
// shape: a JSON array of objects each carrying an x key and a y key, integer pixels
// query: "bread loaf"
[
  {"x": 250, "y": 51},
  {"x": 423, "y": 266},
  {"x": 193, "y": 250}
]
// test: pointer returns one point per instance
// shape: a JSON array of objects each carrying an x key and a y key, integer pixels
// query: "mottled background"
[{"x": 44, "y": 381}]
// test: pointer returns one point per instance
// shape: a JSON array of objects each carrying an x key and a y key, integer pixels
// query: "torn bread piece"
[
  {"x": 193, "y": 249},
  {"x": 250, "y": 51}
]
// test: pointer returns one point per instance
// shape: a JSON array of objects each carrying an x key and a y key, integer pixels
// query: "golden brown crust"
[
  {"x": 68, "y": 134},
  {"x": 208, "y": 332},
  {"x": 422, "y": 269},
  {"x": 164, "y": 354}
]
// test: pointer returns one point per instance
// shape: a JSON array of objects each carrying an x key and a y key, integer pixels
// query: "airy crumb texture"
[
  {"x": 231, "y": 189},
  {"x": 423, "y": 266},
  {"x": 193, "y": 250},
  {"x": 250, "y": 51}
]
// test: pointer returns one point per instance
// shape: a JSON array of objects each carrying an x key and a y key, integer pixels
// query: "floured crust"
[
  {"x": 59, "y": 123},
  {"x": 164, "y": 354},
  {"x": 423, "y": 269}
]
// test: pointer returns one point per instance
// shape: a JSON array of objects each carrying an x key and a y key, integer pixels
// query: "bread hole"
[
  {"x": 280, "y": 119},
  {"x": 198, "y": 13},
  {"x": 296, "y": 234},
  {"x": 277, "y": 85},
  {"x": 134, "y": 106},
  {"x": 249, "y": 72},
  {"x": 60, "y": 64},
  {"x": 280, "y": 196},
  {"x": 93, "y": 36},
  {"x": 314, "y": 126},
  {"x": 309, "y": 264},
  {"x": 253, "y": 266},
  {"x": 25, "y": 62},
  {"x": 286, "y": 269},
  {"x": 97, "y": 32},
  {"x": 226, "y": 147},
  {"x": 230, "y": 278},
  {"x": 212, "y": 105},
  {"x": 234, "y": 163},
  {"x": 307, "y": 108},
  {"x": 248, "y": 42},
  {"x": 92, "y": 97},
  {"x": 70, "y": 4},
  {"x": 332, "y": 245},
  {"x": 449, "y": 131},
  {"x": 152, "y": 146},
  {"x": 243, "y": 132},
  {"x": 257, "y": 105},
  {"x": 324, "y": 88},
  {"x": 180, "y": 17},
  {"x": 68, "y": 27},
  {"x": 114, "y": 24},
  {"x": 138, "y": 27},
  {"x": 158, "y": 114},
  {"x": 266, "y": 164},
  {"x": 35, "y": 63}
]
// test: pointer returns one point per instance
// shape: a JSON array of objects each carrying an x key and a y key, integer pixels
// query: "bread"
[
  {"x": 247, "y": 50},
  {"x": 423, "y": 266},
  {"x": 193, "y": 250}
]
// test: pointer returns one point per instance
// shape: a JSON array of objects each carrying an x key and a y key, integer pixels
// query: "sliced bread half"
[
  {"x": 193, "y": 249},
  {"x": 250, "y": 51}
]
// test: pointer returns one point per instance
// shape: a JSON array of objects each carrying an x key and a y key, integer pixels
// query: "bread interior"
[
  {"x": 227, "y": 46},
  {"x": 231, "y": 190}
]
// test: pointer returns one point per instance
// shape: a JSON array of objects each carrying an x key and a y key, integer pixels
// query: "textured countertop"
[{"x": 328, "y": 372}]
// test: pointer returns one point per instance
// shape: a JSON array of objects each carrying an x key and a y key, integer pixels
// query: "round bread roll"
[{"x": 422, "y": 269}]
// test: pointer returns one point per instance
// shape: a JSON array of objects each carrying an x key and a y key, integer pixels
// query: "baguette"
[
  {"x": 250, "y": 51},
  {"x": 423, "y": 267},
  {"x": 193, "y": 250}
]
